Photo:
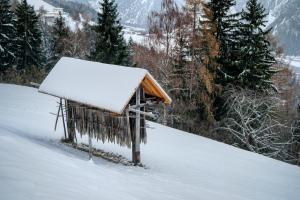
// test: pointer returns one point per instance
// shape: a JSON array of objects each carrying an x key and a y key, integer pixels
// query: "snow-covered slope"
[
  {"x": 137, "y": 34},
  {"x": 293, "y": 61},
  {"x": 38, "y": 4},
  {"x": 133, "y": 12},
  {"x": 284, "y": 17},
  {"x": 33, "y": 165}
]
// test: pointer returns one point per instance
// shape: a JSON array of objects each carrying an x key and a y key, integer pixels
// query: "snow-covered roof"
[{"x": 104, "y": 86}]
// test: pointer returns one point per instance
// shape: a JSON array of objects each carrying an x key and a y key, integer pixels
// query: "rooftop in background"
[{"x": 104, "y": 86}]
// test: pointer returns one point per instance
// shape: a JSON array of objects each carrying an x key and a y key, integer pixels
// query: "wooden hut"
[{"x": 106, "y": 102}]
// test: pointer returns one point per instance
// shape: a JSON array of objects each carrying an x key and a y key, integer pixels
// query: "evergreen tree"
[
  {"x": 7, "y": 36},
  {"x": 46, "y": 38},
  {"x": 129, "y": 61},
  {"x": 180, "y": 62},
  {"x": 29, "y": 37},
  {"x": 226, "y": 33},
  {"x": 46, "y": 44},
  {"x": 110, "y": 45},
  {"x": 257, "y": 57},
  {"x": 60, "y": 39}
]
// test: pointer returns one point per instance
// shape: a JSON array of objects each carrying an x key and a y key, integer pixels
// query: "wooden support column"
[
  {"x": 136, "y": 151},
  {"x": 90, "y": 147},
  {"x": 63, "y": 118},
  {"x": 70, "y": 123},
  {"x": 57, "y": 116}
]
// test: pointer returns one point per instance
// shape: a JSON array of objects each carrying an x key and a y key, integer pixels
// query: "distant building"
[
  {"x": 47, "y": 12},
  {"x": 48, "y": 17}
]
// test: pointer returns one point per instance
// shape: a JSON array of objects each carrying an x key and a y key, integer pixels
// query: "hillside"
[
  {"x": 284, "y": 16},
  {"x": 34, "y": 165},
  {"x": 132, "y": 12},
  {"x": 38, "y": 4}
]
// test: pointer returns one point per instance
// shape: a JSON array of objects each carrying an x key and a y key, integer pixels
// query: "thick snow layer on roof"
[
  {"x": 34, "y": 165},
  {"x": 108, "y": 87}
]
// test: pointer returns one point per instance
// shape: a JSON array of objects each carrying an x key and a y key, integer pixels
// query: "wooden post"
[
  {"x": 57, "y": 116},
  {"x": 70, "y": 123},
  {"x": 136, "y": 153},
  {"x": 90, "y": 147},
  {"x": 63, "y": 118},
  {"x": 128, "y": 121}
]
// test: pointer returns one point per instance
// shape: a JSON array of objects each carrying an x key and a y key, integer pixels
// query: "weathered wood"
[
  {"x": 132, "y": 128},
  {"x": 70, "y": 125},
  {"x": 57, "y": 116},
  {"x": 63, "y": 118},
  {"x": 148, "y": 114},
  {"x": 128, "y": 121},
  {"x": 102, "y": 125},
  {"x": 143, "y": 117},
  {"x": 90, "y": 147},
  {"x": 137, "y": 154}
]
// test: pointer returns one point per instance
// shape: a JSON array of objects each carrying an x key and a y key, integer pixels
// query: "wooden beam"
[
  {"x": 148, "y": 103},
  {"x": 137, "y": 153},
  {"x": 63, "y": 118},
  {"x": 70, "y": 122},
  {"x": 128, "y": 121},
  {"x": 57, "y": 116},
  {"x": 90, "y": 147},
  {"x": 148, "y": 114}
]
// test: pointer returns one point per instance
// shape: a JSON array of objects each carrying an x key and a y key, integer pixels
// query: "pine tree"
[
  {"x": 29, "y": 37},
  {"x": 257, "y": 57},
  {"x": 181, "y": 73},
  {"x": 46, "y": 44},
  {"x": 226, "y": 33},
  {"x": 7, "y": 36},
  {"x": 60, "y": 39},
  {"x": 129, "y": 61},
  {"x": 110, "y": 45}
]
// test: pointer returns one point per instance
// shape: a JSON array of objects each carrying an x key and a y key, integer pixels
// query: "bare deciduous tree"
[{"x": 253, "y": 123}]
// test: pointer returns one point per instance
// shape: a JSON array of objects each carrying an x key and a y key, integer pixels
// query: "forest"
[{"x": 224, "y": 71}]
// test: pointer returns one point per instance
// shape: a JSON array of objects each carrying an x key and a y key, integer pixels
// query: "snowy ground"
[
  {"x": 294, "y": 61},
  {"x": 33, "y": 165},
  {"x": 138, "y": 35}
]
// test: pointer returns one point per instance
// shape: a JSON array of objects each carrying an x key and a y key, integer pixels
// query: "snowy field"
[
  {"x": 34, "y": 166},
  {"x": 294, "y": 61},
  {"x": 138, "y": 35}
]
